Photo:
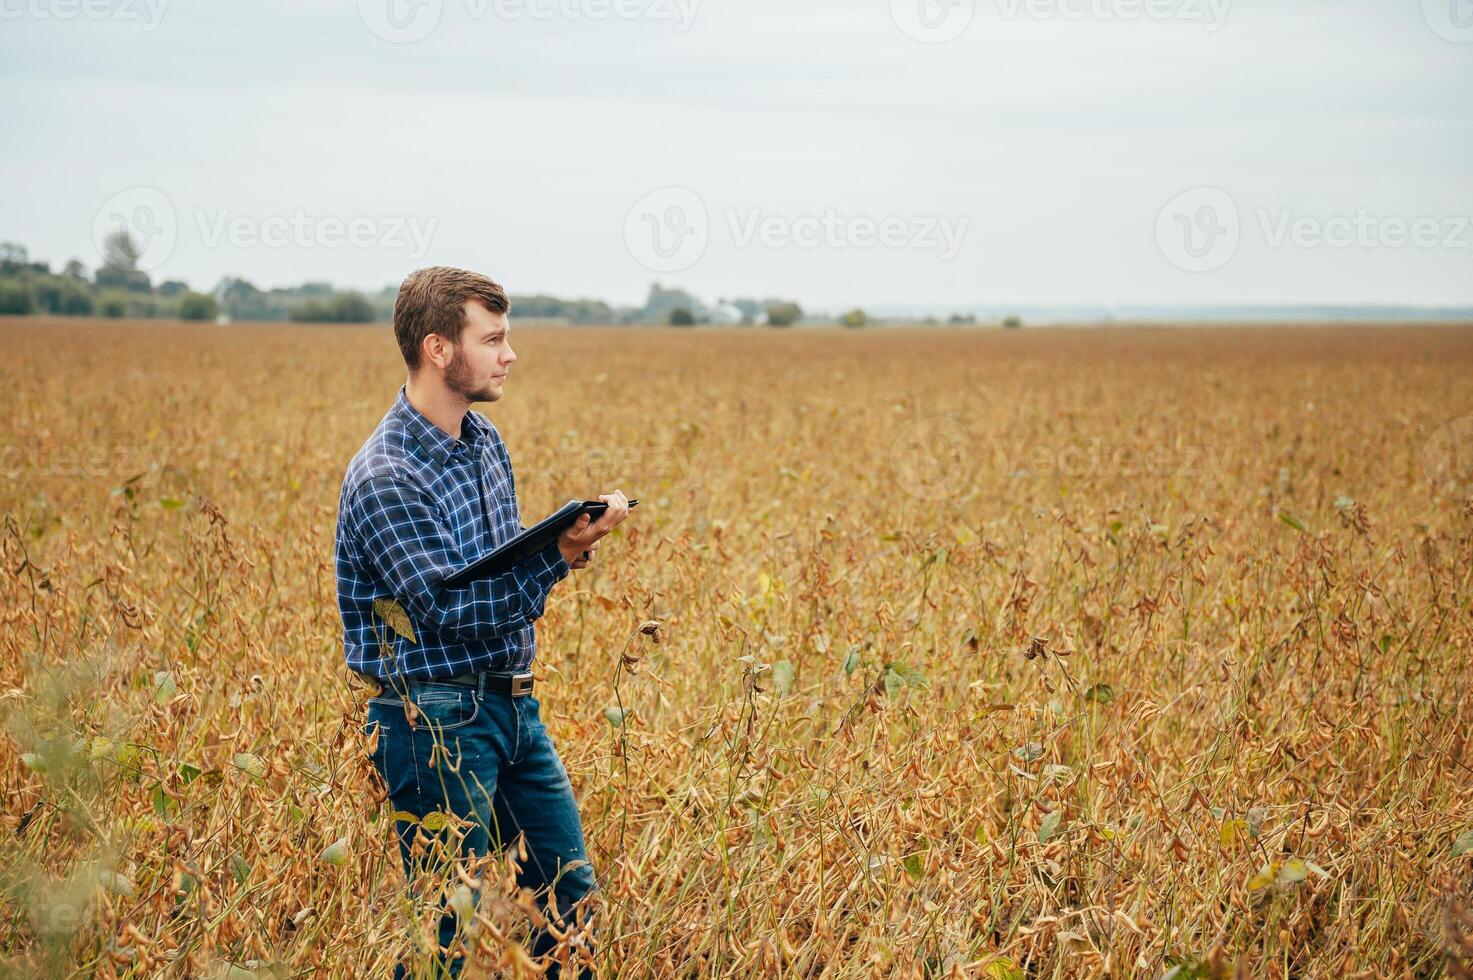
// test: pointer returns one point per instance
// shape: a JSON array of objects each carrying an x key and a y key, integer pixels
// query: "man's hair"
[{"x": 433, "y": 301}]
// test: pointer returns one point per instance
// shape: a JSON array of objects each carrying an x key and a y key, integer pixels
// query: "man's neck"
[{"x": 443, "y": 407}]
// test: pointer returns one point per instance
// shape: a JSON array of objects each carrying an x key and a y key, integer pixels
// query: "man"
[{"x": 458, "y": 729}]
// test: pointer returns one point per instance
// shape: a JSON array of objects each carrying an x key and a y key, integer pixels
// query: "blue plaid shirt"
[{"x": 416, "y": 506}]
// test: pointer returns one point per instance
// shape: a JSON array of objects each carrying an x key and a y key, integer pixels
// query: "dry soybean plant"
[{"x": 1057, "y": 653}]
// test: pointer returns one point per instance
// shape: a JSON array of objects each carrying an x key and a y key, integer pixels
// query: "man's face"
[{"x": 478, "y": 369}]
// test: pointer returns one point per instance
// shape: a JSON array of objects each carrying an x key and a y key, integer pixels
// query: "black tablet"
[{"x": 529, "y": 542}]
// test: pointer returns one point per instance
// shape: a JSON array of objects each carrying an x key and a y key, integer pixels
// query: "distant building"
[{"x": 725, "y": 313}]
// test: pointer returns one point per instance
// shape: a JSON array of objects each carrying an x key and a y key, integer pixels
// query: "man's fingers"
[
  {"x": 588, "y": 532},
  {"x": 613, "y": 515},
  {"x": 618, "y": 508}
]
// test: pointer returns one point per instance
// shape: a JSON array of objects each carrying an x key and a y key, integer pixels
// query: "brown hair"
[{"x": 433, "y": 301}]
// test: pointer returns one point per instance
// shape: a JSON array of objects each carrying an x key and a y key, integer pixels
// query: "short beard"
[{"x": 458, "y": 379}]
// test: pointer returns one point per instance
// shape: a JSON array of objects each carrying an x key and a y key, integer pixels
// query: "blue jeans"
[{"x": 486, "y": 758}]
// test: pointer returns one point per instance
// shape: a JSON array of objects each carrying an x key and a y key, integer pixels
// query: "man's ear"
[{"x": 436, "y": 350}]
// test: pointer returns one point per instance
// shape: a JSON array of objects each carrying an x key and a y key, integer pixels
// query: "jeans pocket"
[
  {"x": 376, "y": 734},
  {"x": 438, "y": 709},
  {"x": 537, "y": 726},
  {"x": 516, "y": 738}
]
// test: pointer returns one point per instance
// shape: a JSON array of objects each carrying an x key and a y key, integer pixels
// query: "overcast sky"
[{"x": 840, "y": 152}]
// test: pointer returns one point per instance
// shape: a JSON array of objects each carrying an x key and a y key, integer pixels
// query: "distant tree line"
[
  {"x": 311, "y": 302},
  {"x": 119, "y": 288},
  {"x": 678, "y": 308}
]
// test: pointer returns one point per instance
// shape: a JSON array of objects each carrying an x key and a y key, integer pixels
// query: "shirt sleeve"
[{"x": 403, "y": 537}]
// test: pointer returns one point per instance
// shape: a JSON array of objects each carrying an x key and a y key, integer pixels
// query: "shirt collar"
[{"x": 440, "y": 447}]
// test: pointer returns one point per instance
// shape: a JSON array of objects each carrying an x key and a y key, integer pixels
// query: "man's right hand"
[{"x": 585, "y": 533}]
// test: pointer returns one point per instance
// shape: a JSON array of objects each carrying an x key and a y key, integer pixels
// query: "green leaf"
[
  {"x": 188, "y": 773},
  {"x": 783, "y": 673},
  {"x": 910, "y": 675},
  {"x": 899, "y": 675},
  {"x": 1264, "y": 877},
  {"x": 851, "y": 662},
  {"x": 232, "y": 971},
  {"x": 335, "y": 853},
  {"x": 914, "y": 866},
  {"x": 615, "y": 716},
  {"x": 170, "y": 503},
  {"x": 1292, "y": 521},
  {"x": 1293, "y": 870},
  {"x": 1464, "y": 843},
  {"x": 240, "y": 868},
  {"x": 1049, "y": 826},
  {"x": 116, "y": 883},
  {"x": 1056, "y": 773},
  {"x": 1231, "y": 832},
  {"x": 1003, "y": 968},
  {"x": 251, "y": 763},
  {"x": 164, "y": 687},
  {"x": 392, "y": 613},
  {"x": 1029, "y": 751},
  {"x": 1100, "y": 694},
  {"x": 163, "y": 803}
]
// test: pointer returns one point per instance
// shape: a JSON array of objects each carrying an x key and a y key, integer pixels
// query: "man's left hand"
[{"x": 582, "y": 560}]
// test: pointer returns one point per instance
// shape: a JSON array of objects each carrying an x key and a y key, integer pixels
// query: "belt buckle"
[{"x": 521, "y": 684}]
